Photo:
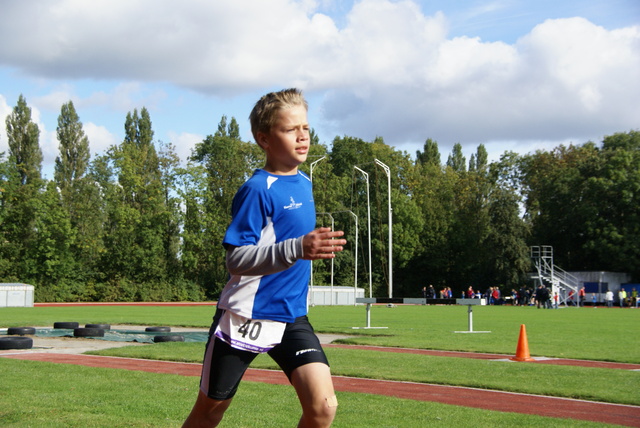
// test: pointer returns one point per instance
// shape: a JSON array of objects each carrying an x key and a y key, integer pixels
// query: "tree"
[
  {"x": 50, "y": 263},
  {"x": 612, "y": 228},
  {"x": 222, "y": 165},
  {"x": 506, "y": 243},
  {"x": 24, "y": 146},
  {"x": 559, "y": 201},
  {"x": 456, "y": 159},
  {"x": 479, "y": 161},
  {"x": 222, "y": 128},
  {"x": 79, "y": 197},
  {"x": 135, "y": 233},
  {"x": 21, "y": 198},
  {"x": 430, "y": 155},
  {"x": 72, "y": 163},
  {"x": 313, "y": 137},
  {"x": 434, "y": 193},
  {"x": 234, "y": 129}
]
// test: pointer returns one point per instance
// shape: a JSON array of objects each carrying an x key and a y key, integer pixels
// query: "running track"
[
  {"x": 469, "y": 397},
  {"x": 625, "y": 415}
]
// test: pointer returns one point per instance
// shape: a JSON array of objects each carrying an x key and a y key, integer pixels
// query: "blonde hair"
[{"x": 264, "y": 113}]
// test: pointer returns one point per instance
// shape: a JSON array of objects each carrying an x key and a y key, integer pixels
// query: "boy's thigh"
[
  {"x": 314, "y": 386},
  {"x": 223, "y": 368},
  {"x": 300, "y": 346}
]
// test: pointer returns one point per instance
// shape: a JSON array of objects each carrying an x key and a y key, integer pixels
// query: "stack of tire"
[
  {"x": 19, "y": 342},
  {"x": 164, "y": 337},
  {"x": 89, "y": 330}
]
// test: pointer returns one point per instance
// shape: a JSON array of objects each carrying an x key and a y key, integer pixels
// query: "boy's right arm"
[
  {"x": 322, "y": 243},
  {"x": 265, "y": 260}
]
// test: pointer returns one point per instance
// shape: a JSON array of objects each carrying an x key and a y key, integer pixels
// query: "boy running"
[{"x": 269, "y": 244}]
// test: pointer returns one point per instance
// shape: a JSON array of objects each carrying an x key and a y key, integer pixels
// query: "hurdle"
[
  {"x": 471, "y": 303},
  {"x": 390, "y": 301}
]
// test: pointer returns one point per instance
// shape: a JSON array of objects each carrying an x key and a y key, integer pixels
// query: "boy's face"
[{"x": 287, "y": 144}]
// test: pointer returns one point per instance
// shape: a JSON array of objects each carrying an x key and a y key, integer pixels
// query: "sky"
[{"x": 514, "y": 75}]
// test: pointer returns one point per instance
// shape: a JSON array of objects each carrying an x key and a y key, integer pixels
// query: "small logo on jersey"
[{"x": 293, "y": 205}]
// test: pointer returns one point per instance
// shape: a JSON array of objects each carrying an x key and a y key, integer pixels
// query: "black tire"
[
  {"x": 67, "y": 325},
  {"x": 88, "y": 332},
  {"x": 158, "y": 329},
  {"x": 169, "y": 338},
  {"x": 21, "y": 331},
  {"x": 102, "y": 326},
  {"x": 16, "y": 343}
]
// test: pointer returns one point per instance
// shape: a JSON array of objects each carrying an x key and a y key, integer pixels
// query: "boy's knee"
[
  {"x": 206, "y": 412},
  {"x": 323, "y": 413}
]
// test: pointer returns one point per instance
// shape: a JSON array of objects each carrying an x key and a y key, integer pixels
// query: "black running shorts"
[{"x": 224, "y": 366}]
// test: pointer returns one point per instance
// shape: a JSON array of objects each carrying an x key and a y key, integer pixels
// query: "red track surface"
[
  {"x": 468, "y": 397},
  {"x": 483, "y": 356}
]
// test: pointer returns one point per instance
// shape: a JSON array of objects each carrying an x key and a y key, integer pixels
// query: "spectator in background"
[
  {"x": 523, "y": 296},
  {"x": 581, "y": 296},
  {"x": 547, "y": 298},
  {"x": 594, "y": 300},
  {"x": 539, "y": 292},
  {"x": 470, "y": 293},
  {"x": 431, "y": 292},
  {"x": 622, "y": 296},
  {"x": 487, "y": 295},
  {"x": 496, "y": 296},
  {"x": 608, "y": 297}
]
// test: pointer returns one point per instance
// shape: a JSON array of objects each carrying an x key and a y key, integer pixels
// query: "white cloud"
[
  {"x": 387, "y": 70},
  {"x": 184, "y": 142},
  {"x": 100, "y": 138},
  {"x": 567, "y": 79}
]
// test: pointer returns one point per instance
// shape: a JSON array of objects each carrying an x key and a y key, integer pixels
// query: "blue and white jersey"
[{"x": 266, "y": 210}]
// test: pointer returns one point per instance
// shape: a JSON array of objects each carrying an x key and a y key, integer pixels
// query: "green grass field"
[{"x": 67, "y": 395}]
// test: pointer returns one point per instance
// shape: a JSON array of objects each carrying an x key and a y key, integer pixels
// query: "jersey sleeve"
[{"x": 249, "y": 214}]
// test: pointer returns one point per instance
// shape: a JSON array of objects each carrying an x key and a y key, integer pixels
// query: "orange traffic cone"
[{"x": 522, "y": 351}]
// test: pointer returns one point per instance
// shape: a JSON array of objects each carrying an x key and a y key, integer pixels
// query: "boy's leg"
[
  {"x": 314, "y": 387},
  {"x": 301, "y": 357},
  {"x": 222, "y": 371},
  {"x": 206, "y": 412}
]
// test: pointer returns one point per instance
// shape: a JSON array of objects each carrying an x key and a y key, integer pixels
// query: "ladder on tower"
[{"x": 562, "y": 282}]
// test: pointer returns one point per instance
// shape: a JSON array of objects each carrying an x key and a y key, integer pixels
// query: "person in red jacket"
[{"x": 581, "y": 296}]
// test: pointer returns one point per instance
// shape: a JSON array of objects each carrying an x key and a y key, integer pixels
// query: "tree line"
[{"x": 136, "y": 223}]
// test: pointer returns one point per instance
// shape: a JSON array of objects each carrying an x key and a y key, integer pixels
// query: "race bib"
[{"x": 249, "y": 335}]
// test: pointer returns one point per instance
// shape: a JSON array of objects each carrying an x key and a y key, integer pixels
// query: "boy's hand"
[{"x": 321, "y": 244}]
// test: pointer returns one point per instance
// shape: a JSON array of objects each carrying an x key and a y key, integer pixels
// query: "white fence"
[
  {"x": 16, "y": 295},
  {"x": 328, "y": 296}
]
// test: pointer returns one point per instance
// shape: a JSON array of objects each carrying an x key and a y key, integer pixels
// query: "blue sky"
[{"x": 510, "y": 74}]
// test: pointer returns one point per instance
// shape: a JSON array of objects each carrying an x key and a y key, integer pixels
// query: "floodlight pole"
[
  {"x": 355, "y": 257},
  {"x": 388, "y": 172},
  {"x": 355, "y": 260},
  {"x": 366, "y": 176},
  {"x": 313, "y": 164},
  {"x": 332, "y": 227}
]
